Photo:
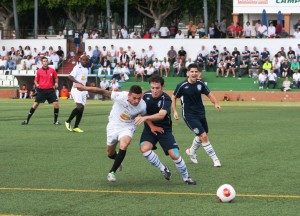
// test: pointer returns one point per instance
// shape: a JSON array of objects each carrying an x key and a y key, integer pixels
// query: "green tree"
[
  {"x": 158, "y": 10},
  {"x": 6, "y": 10}
]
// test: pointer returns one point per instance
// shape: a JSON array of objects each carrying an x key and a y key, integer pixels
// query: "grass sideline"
[
  {"x": 215, "y": 84},
  {"x": 46, "y": 170}
]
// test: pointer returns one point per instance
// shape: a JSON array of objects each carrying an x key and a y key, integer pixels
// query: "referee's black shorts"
[{"x": 46, "y": 94}]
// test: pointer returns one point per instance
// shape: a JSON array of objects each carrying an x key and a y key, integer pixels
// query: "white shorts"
[
  {"x": 79, "y": 96},
  {"x": 116, "y": 132}
]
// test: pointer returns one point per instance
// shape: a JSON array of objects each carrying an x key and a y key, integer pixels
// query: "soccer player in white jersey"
[
  {"x": 120, "y": 128},
  {"x": 78, "y": 75}
]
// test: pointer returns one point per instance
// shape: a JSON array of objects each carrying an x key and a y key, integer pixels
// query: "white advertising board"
[{"x": 271, "y": 6}]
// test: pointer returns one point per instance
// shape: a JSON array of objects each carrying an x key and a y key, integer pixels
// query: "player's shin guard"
[
  {"x": 152, "y": 158},
  {"x": 210, "y": 151},
  {"x": 118, "y": 160},
  {"x": 195, "y": 145},
  {"x": 181, "y": 167}
]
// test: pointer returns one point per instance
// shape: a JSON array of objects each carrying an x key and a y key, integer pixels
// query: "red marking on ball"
[{"x": 226, "y": 192}]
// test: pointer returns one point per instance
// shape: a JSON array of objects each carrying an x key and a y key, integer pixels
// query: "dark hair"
[
  {"x": 136, "y": 89},
  {"x": 44, "y": 58},
  {"x": 192, "y": 66},
  {"x": 157, "y": 79}
]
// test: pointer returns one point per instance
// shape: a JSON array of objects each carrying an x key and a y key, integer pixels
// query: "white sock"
[
  {"x": 154, "y": 160},
  {"x": 195, "y": 145},
  {"x": 210, "y": 151},
  {"x": 181, "y": 167}
]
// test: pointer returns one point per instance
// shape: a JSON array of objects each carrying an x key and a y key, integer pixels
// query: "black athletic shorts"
[
  {"x": 46, "y": 94},
  {"x": 166, "y": 140},
  {"x": 196, "y": 124}
]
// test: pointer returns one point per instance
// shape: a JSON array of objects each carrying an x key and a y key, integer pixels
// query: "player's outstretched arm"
[
  {"x": 92, "y": 89},
  {"x": 155, "y": 117},
  {"x": 175, "y": 114},
  {"x": 214, "y": 101}
]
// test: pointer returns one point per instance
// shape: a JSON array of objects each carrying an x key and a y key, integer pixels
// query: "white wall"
[
  {"x": 35, "y": 43},
  {"x": 192, "y": 46}
]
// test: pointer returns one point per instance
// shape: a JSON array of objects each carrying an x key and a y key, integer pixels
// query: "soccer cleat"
[
  {"x": 57, "y": 123},
  {"x": 68, "y": 126},
  {"x": 190, "y": 181},
  {"x": 78, "y": 130},
  {"x": 111, "y": 177},
  {"x": 167, "y": 174},
  {"x": 192, "y": 156},
  {"x": 24, "y": 122},
  {"x": 217, "y": 163}
]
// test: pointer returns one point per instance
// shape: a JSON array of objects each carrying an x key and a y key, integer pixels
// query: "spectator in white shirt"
[
  {"x": 117, "y": 72},
  {"x": 3, "y": 52},
  {"x": 104, "y": 84},
  {"x": 179, "y": 35},
  {"x": 296, "y": 79},
  {"x": 89, "y": 51},
  {"x": 60, "y": 35},
  {"x": 157, "y": 66},
  {"x": 297, "y": 33},
  {"x": 272, "y": 79},
  {"x": 286, "y": 85},
  {"x": 112, "y": 53},
  {"x": 150, "y": 55},
  {"x": 262, "y": 79},
  {"x": 114, "y": 85},
  {"x": 54, "y": 59},
  {"x": 165, "y": 66},
  {"x": 27, "y": 63},
  {"x": 124, "y": 32},
  {"x": 262, "y": 31},
  {"x": 271, "y": 30},
  {"x": 164, "y": 31},
  {"x": 139, "y": 71}
]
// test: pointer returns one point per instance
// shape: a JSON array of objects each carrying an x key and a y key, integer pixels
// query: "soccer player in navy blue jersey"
[
  {"x": 193, "y": 112},
  {"x": 158, "y": 128}
]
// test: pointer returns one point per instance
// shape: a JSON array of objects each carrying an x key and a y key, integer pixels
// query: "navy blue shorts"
[
  {"x": 46, "y": 94},
  {"x": 166, "y": 140},
  {"x": 196, "y": 124}
]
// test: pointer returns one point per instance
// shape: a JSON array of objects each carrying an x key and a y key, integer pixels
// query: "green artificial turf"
[
  {"x": 47, "y": 170},
  {"x": 215, "y": 84}
]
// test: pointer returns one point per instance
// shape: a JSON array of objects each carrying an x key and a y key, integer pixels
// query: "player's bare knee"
[
  {"x": 203, "y": 137},
  {"x": 174, "y": 153},
  {"x": 145, "y": 146}
]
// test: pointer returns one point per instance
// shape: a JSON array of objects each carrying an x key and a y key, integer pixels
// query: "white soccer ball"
[{"x": 226, "y": 193}]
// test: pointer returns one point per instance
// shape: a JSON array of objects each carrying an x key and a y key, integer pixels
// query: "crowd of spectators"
[
  {"x": 217, "y": 29},
  {"x": 27, "y": 57},
  {"x": 249, "y": 62}
]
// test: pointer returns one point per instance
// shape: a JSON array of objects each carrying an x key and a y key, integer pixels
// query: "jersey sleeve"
[
  {"x": 205, "y": 89},
  {"x": 166, "y": 103},
  {"x": 74, "y": 72},
  {"x": 119, "y": 96},
  {"x": 144, "y": 106},
  {"x": 177, "y": 92}
]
